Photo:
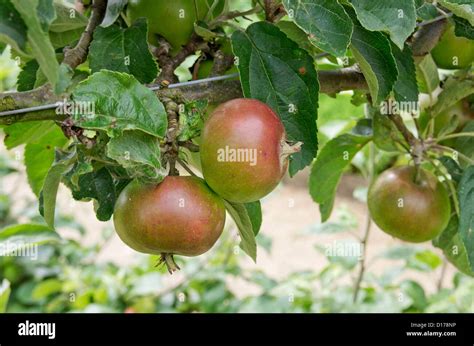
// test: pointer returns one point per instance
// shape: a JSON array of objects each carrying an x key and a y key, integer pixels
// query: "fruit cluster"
[{"x": 244, "y": 155}]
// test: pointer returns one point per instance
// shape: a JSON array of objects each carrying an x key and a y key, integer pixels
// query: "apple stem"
[
  {"x": 168, "y": 260},
  {"x": 287, "y": 149}
]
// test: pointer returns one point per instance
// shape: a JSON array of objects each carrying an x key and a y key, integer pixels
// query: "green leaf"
[
  {"x": 114, "y": 8},
  {"x": 465, "y": 145},
  {"x": 427, "y": 74},
  {"x": 37, "y": 15},
  {"x": 98, "y": 185},
  {"x": 46, "y": 288},
  {"x": 239, "y": 214},
  {"x": 454, "y": 170},
  {"x": 123, "y": 50},
  {"x": 405, "y": 88},
  {"x": 427, "y": 11},
  {"x": 25, "y": 132},
  {"x": 461, "y": 8},
  {"x": 463, "y": 28},
  {"x": 139, "y": 154},
  {"x": 120, "y": 103},
  {"x": 191, "y": 119},
  {"x": 297, "y": 35},
  {"x": 27, "y": 76},
  {"x": 416, "y": 292},
  {"x": 62, "y": 163},
  {"x": 46, "y": 13},
  {"x": 4, "y": 295},
  {"x": 39, "y": 156},
  {"x": 329, "y": 166},
  {"x": 67, "y": 19},
  {"x": 66, "y": 38},
  {"x": 454, "y": 90},
  {"x": 396, "y": 17},
  {"x": 466, "y": 218},
  {"x": 201, "y": 29},
  {"x": 274, "y": 70},
  {"x": 325, "y": 21},
  {"x": 254, "y": 211},
  {"x": 373, "y": 53},
  {"x": 424, "y": 260},
  {"x": 453, "y": 247},
  {"x": 18, "y": 236},
  {"x": 385, "y": 133},
  {"x": 65, "y": 74},
  {"x": 12, "y": 28}
]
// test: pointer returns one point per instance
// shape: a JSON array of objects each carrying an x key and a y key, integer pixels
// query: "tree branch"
[
  {"x": 214, "y": 92},
  {"x": 168, "y": 64},
  {"x": 273, "y": 10},
  {"x": 77, "y": 55}
]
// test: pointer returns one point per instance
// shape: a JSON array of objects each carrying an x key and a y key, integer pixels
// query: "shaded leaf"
[
  {"x": 461, "y": 8},
  {"x": 139, "y": 154},
  {"x": 466, "y": 218},
  {"x": 327, "y": 170},
  {"x": 325, "y": 21},
  {"x": 37, "y": 15},
  {"x": 453, "y": 247},
  {"x": 114, "y": 7},
  {"x": 39, "y": 156},
  {"x": 453, "y": 168},
  {"x": 465, "y": 145},
  {"x": 463, "y": 28},
  {"x": 13, "y": 30},
  {"x": 396, "y": 17},
  {"x": 454, "y": 90},
  {"x": 27, "y": 76},
  {"x": 123, "y": 50},
  {"x": 254, "y": 211},
  {"x": 62, "y": 163},
  {"x": 239, "y": 214},
  {"x": 427, "y": 74},
  {"x": 100, "y": 186},
  {"x": 373, "y": 53},
  {"x": 274, "y": 70},
  {"x": 67, "y": 18},
  {"x": 405, "y": 88}
]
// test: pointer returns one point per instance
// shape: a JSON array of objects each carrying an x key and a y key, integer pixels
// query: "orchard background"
[{"x": 364, "y": 85}]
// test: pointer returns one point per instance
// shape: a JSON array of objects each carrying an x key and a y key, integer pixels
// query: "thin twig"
[
  {"x": 455, "y": 152},
  {"x": 439, "y": 286},
  {"x": 186, "y": 167},
  {"x": 362, "y": 267},
  {"x": 194, "y": 148},
  {"x": 455, "y": 135},
  {"x": 368, "y": 223},
  {"x": 232, "y": 15},
  {"x": 77, "y": 55}
]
